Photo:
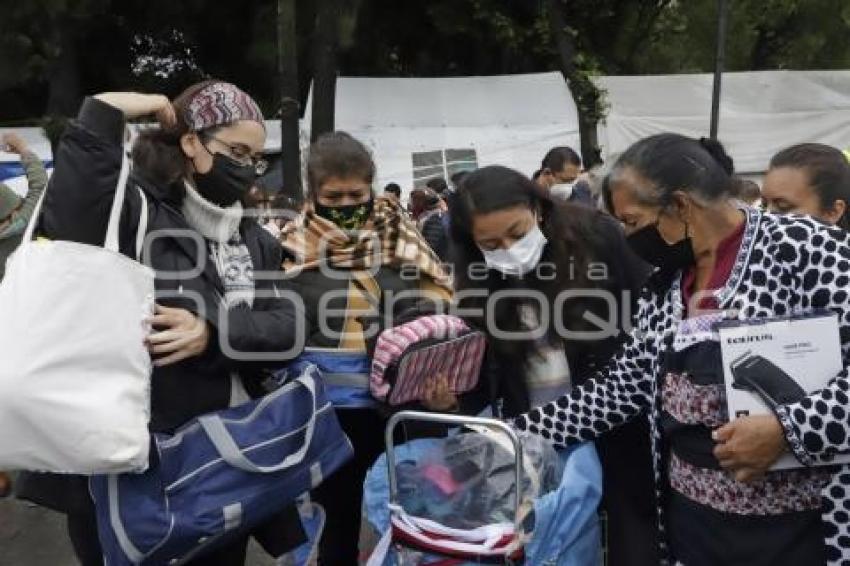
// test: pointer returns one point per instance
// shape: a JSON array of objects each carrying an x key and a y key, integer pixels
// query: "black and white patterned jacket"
[{"x": 786, "y": 265}]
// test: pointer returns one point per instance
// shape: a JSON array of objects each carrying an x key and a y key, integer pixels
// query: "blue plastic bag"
[{"x": 564, "y": 523}]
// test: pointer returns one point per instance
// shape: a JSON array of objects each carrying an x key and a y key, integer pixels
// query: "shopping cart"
[{"x": 557, "y": 528}]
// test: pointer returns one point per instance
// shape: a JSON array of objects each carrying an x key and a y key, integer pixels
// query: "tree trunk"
[
  {"x": 325, "y": 46},
  {"x": 64, "y": 78},
  {"x": 582, "y": 88},
  {"x": 290, "y": 144}
]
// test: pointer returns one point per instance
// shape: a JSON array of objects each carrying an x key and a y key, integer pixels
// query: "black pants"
[
  {"x": 701, "y": 536},
  {"x": 342, "y": 493},
  {"x": 629, "y": 495},
  {"x": 82, "y": 530}
]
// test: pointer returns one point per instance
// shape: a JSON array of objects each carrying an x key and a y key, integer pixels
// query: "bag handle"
[
  {"x": 218, "y": 434},
  {"x": 142, "y": 230},
  {"x": 111, "y": 241}
]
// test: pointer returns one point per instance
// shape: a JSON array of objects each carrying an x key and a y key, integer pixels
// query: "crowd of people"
[{"x": 652, "y": 252}]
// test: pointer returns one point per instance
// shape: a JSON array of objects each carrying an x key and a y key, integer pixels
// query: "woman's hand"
[
  {"x": 13, "y": 143},
  {"x": 180, "y": 335},
  {"x": 135, "y": 105},
  {"x": 748, "y": 446},
  {"x": 438, "y": 397}
]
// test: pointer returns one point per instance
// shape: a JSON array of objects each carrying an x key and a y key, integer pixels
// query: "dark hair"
[
  {"x": 438, "y": 185},
  {"x": 337, "y": 154},
  {"x": 393, "y": 188},
  {"x": 537, "y": 174},
  {"x": 827, "y": 169},
  {"x": 745, "y": 189},
  {"x": 157, "y": 154},
  {"x": 573, "y": 234},
  {"x": 559, "y": 157},
  {"x": 431, "y": 199},
  {"x": 458, "y": 178},
  {"x": 424, "y": 197},
  {"x": 673, "y": 162}
]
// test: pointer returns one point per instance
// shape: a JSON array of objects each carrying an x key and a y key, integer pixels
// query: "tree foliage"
[{"x": 54, "y": 51}]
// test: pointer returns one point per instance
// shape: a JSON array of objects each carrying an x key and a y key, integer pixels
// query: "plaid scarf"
[{"x": 387, "y": 239}]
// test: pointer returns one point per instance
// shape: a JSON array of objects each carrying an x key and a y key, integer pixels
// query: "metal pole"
[
  {"x": 290, "y": 136},
  {"x": 719, "y": 63},
  {"x": 325, "y": 40}
]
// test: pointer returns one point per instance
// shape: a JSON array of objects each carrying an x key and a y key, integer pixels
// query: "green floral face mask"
[{"x": 349, "y": 217}]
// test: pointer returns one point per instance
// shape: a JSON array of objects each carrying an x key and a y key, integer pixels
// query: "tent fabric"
[
  {"x": 511, "y": 120},
  {"x": 760, "y": 112},
  {"x": 514, "y": 120}
]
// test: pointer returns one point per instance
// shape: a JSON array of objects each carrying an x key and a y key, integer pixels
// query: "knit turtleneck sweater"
[{"x": 220, "y": 228}]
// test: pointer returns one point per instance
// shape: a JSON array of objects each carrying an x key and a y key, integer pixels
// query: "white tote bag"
[{"x": 74, "y": 371}]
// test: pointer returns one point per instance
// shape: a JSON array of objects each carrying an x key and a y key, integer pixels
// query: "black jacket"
[
  {"x": 503, "y": 374},
  {"x": 434, "y": 232},
  {"x": 77, "y": 207}
]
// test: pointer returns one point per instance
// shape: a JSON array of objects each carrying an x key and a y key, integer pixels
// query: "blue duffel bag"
[
  {"x": 220, "y": 475},
  {"x": 345, "y": 375}
]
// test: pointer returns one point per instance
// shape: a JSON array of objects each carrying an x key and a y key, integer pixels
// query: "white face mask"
[
  {"x": 562, "y": 191},
  {"x": 522, "y": 257}
]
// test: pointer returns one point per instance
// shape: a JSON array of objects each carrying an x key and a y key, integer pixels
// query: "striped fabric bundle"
[
  {"x": 496, "y": 543},
  {"x": 388, "y": 238},
  {"x": 408, "y": 356}
]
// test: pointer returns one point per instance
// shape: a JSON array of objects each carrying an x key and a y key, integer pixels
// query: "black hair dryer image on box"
[{"x": 762, "y": 377}]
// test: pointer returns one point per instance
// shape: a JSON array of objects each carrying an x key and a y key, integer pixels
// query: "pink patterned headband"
[{"x": 219, "y": 104}]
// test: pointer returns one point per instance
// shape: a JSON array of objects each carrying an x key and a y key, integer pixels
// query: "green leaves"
[{"x": 238, "y": 41}]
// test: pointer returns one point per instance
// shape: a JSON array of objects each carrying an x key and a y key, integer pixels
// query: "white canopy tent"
[
  {"x": 760, "y": 112},
  {"x": 418, "y": 128}
]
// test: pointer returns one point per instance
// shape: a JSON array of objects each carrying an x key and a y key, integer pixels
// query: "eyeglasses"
[{"x": 239, "y": 154}]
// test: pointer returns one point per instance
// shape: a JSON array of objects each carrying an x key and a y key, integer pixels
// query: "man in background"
[
  {"x": 559, "y": 172},
  {"x": 393, "y": 190},
  {"x": 427, "y": 210}
]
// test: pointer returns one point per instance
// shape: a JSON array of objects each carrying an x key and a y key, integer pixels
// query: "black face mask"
[
  {"x": 227, "y": 182},
  {"x": 668, "y": 259},
  {"x": 349, "y": 217}
]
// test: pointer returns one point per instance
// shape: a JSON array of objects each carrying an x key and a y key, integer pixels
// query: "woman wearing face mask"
[
  {"x": 563, "y": 276},
  {"x": 193, "y": 171},
  {"x": 718, "y": 501},
  {"x": 349, "y": 252},
  {"x": 810, "y": 178}
]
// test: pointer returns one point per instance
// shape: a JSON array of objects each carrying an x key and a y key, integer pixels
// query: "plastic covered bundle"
[
  {"x": 562, "y": 528},
  {"x": 468, "y": 479}
]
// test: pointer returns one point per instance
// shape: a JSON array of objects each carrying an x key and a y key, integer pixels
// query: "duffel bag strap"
[{"x": 233, "y": 455}]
